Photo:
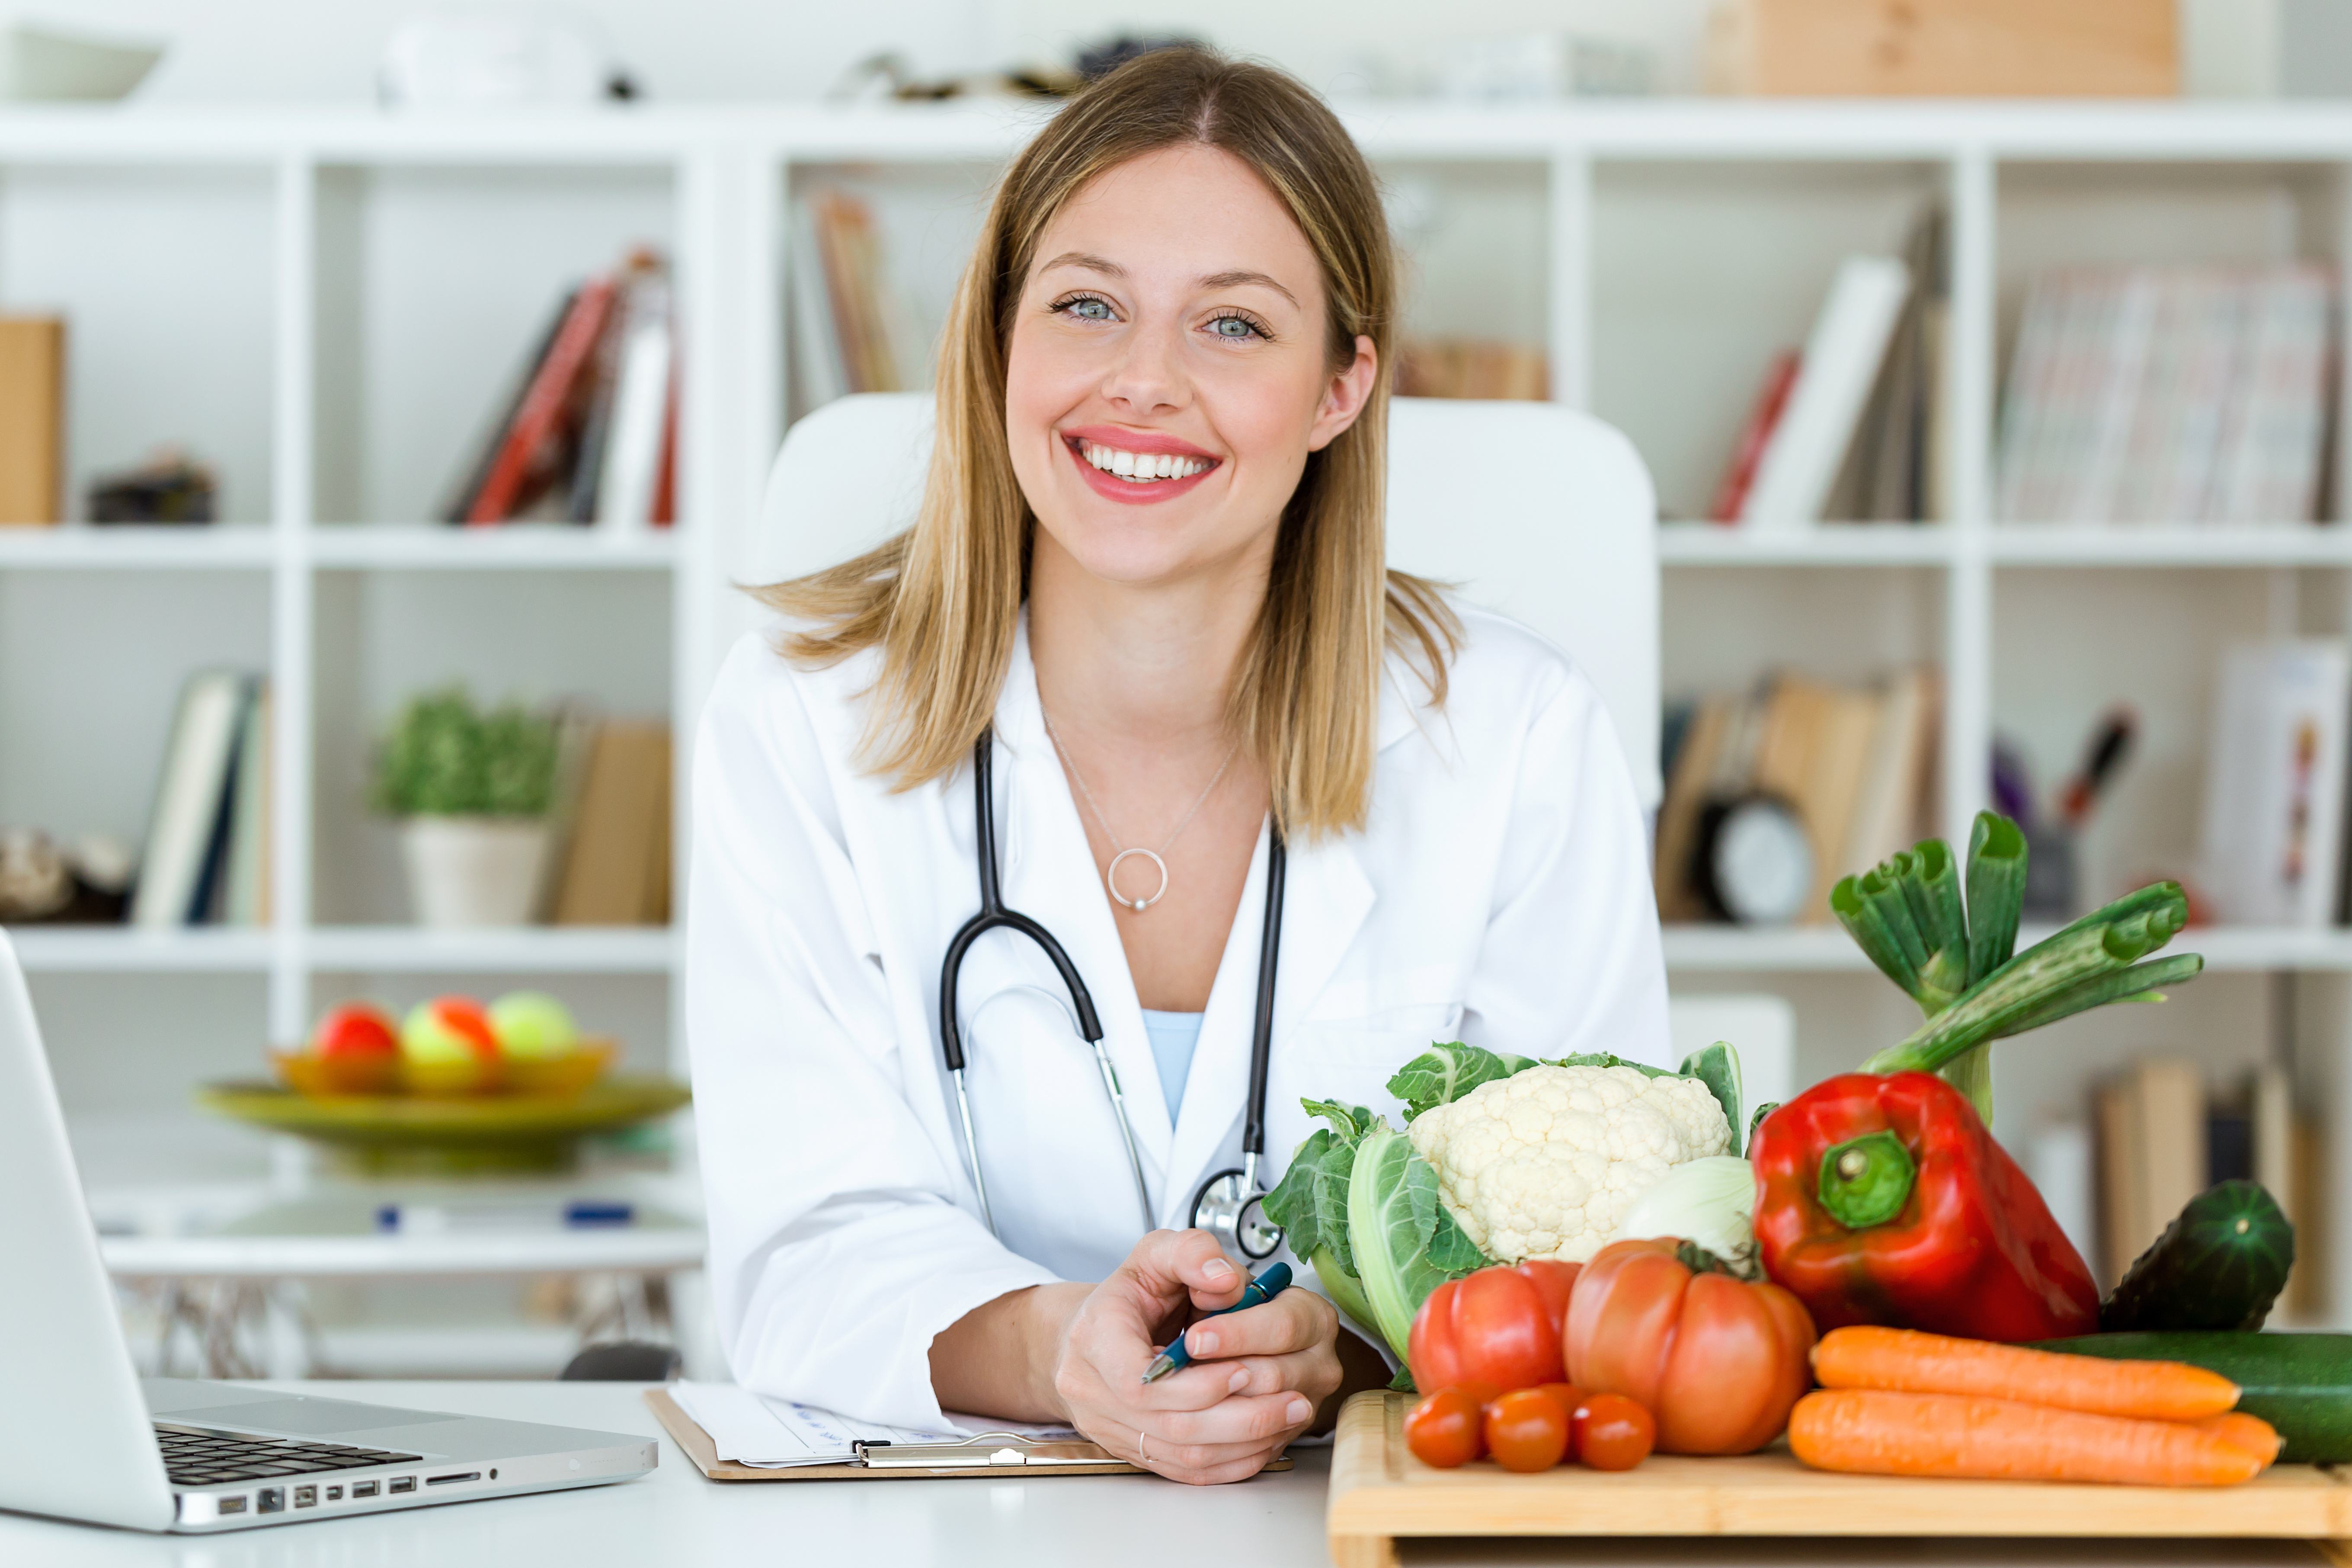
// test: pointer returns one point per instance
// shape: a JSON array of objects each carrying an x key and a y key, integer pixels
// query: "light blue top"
[{"x": 1173, "y": 1036}]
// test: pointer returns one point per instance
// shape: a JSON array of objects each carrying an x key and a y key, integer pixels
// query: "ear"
[{"x": 1344, "y": 395}]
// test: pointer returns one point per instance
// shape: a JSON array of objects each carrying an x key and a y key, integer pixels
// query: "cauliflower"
[{"x": 1546, "y": 1163}]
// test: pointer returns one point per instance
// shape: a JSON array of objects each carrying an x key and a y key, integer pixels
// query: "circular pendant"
[{"x": 1110, "y": 880}]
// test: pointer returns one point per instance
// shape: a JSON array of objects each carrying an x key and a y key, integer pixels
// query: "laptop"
[{"x": 86, "y": 1439}]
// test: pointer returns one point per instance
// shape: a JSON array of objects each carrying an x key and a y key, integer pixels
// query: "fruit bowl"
[{"x": 385, "y": 1134}]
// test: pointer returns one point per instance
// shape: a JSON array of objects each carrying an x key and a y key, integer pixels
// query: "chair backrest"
[
  {"x": 1763, "y": 1029},
  {"x": 1530, "y": 509}
]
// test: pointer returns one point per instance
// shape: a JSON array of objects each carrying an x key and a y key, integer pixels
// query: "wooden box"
[
  {"x": 1379, "y": 1492},
  {"x": 1944, "y": 48}
]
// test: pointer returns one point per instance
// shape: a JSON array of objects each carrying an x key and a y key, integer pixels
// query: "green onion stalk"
[{"x": 1946, "y": 932}]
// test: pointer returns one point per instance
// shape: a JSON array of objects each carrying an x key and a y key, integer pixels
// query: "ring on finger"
[{"x": 1143, "y": 1446}]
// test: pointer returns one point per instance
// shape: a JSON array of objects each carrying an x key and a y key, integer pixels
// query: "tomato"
[
  {"x": 1609, "y": 1432},
  {"x": 1567, "y": 1395},
  {"x": 1719, "y": 1362},
  {"x": 1527, "y": 1430},
  {"x": 1447, "y": 1428},
  {"x": 1499, "y": 1325}
]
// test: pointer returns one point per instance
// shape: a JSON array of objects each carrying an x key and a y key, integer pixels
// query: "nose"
[{"x": 1148, "y": 377}]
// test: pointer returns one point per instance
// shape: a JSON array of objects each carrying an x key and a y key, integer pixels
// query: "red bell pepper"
[{"x": 1885, "y": 1200}]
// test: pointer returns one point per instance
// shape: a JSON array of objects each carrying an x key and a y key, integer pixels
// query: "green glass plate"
[{"x": 384, "y": 1133}]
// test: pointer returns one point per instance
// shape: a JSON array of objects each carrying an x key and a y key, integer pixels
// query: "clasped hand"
[{"x": 1256, "y": 1379}]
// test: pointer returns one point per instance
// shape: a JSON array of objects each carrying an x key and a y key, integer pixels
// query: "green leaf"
[
  {"x": 1603, "y": 1059},
  {"x": 1450, "y": 1247},
  {"x": 1444, "y": 1073},
  {"x": 1347, "y": 1292},
  {"x": 1392, "y": 1207},
  {"x": 1756, "y": 1120},
  {"x": 1403, "y": 1382},
  {"x": 445, "y": 757},
  {"x": 1717, "y": 1066},
  {"x": 1310, "y": 1203},
  {"x": 1292, "y": 1203}
]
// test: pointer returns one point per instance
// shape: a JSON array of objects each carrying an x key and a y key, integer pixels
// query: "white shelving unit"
[{"x": 374, "y": 279}]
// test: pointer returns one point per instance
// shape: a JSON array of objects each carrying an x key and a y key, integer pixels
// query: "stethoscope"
[{"x": 1228, "y": 1204}]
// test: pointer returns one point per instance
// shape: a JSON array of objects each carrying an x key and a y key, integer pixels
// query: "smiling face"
[{"x": 1168, "y": 369}]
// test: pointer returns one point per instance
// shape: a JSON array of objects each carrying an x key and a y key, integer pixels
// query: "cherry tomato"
[
  {"x": 1612, "y": 1432},
  {"x": 1447, "y": 1428},
  {"x": 1527, "y": 1430}
]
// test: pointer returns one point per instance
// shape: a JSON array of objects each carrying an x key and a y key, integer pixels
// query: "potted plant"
[{"x": 472, "y": 789}]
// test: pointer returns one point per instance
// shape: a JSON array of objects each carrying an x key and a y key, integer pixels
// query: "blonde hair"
[{"x": 941, "y": 600}]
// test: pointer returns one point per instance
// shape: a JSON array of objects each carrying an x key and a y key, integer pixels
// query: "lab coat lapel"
[
  {"x": 1325, "y": 902},
  {"x": 1050, "y": 875}
]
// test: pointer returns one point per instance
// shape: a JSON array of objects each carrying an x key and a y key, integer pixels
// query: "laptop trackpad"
[{"x": 310, "y": 1417}]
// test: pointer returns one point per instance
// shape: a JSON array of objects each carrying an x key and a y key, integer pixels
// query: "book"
[
  {"x": 616, "y": 859},
  {"x": 523, "y": 462},
  {"x": 1890, "y": 471},
  {"x": 2152, "y": 1156},
  {"x": 2179, "y": 394},
  {"x": 1754, "y": 433},
  {"x": 190, "y": 794},
  {"x": 1834, "y": 375},
  {"x": 245, "y": 897},
  {"x": 477, "y": 471},
  {"x": 817, "y": 343},
  {"x": 2272, "y": 831},
  {"x": 31, "y": 418},
  {"x": 1890, "y": 800},
  {"x": 633, "y": 449}
]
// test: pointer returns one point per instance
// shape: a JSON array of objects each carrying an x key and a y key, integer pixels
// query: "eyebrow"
[{"x": 1111, "y": 269}]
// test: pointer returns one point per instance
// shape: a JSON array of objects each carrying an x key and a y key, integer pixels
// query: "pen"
[{"x": 1262, "y": 1289}]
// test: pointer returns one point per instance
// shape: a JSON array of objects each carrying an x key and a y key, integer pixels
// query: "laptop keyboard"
[{"x": 200, "y": 1456}]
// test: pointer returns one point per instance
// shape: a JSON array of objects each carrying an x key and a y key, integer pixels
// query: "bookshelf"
[{"x": 344, "y": 293}]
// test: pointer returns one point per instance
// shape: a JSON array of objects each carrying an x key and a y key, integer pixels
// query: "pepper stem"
[{"x": 1866, "y": 1181}]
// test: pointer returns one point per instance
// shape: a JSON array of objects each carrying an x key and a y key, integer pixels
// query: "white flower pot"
[{"x": 473, "y": 870}]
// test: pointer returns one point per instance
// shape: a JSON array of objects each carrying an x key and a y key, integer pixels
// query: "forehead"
[{"x": 1181, "y": 214}]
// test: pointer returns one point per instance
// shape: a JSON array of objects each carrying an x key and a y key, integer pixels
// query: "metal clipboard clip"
[{"x": 982, "y": 1450}]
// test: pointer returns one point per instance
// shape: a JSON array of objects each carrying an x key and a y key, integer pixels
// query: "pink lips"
[{"x": 1125, "y": 491}]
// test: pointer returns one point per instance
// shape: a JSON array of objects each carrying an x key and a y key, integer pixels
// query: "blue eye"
[
  {"x": 1086, "y": 308},
  {"x": 1233, "y": 327}
]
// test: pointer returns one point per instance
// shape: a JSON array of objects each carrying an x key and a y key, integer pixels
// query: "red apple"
[{"x": 359, "y": 1047}]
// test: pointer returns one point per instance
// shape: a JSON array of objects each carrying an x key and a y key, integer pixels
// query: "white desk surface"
[{"x": 675, "y": 1517}]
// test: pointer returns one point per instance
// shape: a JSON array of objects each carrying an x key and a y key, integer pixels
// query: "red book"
[
  {"x": 1748, "y": 452},
  {"x": 666, "y": 478},
  {"x": 543, "y": 406}
]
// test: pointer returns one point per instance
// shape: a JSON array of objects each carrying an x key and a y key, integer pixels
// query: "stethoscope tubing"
[{"x": 995, "y": 916}]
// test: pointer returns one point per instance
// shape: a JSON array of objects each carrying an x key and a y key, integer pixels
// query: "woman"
[{"x": 1147, "y": 582}]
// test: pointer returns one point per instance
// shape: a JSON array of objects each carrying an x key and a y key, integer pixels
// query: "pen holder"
[{"x": 2049, "y": 873}]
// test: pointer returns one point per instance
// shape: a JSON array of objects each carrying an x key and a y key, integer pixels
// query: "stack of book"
[
  {"x": 2169, "y": 395},
  {"x": 588, "y": 433},
  {"x": 1856, "y": 766},
  {"x": 610, "y": 857},
  {"x": 1851, "y": 429},
  {"x": 1472, "y": 367},
  {"x": 206, "y": 860},
  {"x": 2271, "y": 852},
  {"x": 852, "y": 330},
  {"x": 2159, "y": 1138}
]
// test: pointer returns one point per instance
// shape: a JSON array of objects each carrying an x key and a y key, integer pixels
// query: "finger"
[
  {"x": 1197, "y": 1463},
  {"x": 1240, "y": 1418},
  {"x": 1293, "y": 1321},
  {"x": 1310, "y": 1373},
  {"x": 1169, "y": 1264}
]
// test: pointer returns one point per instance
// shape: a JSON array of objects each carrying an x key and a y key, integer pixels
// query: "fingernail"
[
  {"x": 1235, "y": 1383},
  {"x": 1298, "y": 1412},
  {"x": 1217, "y": 1269},
  {"x": 1203, "y": 1343}
]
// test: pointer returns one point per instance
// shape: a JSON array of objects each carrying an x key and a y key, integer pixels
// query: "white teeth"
[{"x": 1141, "y": 467}]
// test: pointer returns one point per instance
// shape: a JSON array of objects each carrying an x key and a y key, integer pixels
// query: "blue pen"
[{"x": 1259, "y": 1291}]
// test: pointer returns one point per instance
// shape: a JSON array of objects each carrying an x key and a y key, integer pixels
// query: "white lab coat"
[{"x": 1499, "y": 894}]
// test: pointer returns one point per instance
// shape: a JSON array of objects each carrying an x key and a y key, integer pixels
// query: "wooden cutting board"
[{"x": 1379, "y": 1492}]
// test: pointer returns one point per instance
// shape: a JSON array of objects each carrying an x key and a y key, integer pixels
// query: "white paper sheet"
[{"x": 765, "y": 1433}]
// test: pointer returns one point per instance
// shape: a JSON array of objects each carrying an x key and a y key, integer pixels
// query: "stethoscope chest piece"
[{"x": 1230, "y": 1206}]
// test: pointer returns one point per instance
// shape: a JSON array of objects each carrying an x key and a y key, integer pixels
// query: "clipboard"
[{"x": 991, "y": 1457}]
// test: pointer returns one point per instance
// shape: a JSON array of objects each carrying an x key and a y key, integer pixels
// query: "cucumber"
[
  {"x": 2300, "y": 1384},
  {"x": 2219, "y": 1265}
]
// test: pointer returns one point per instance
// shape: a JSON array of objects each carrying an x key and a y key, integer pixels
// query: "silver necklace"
[{"x": 1120, "y": 852}]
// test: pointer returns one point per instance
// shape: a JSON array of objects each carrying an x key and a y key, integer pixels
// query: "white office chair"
[
  {"x": 1543, "y": 513},
  {"x": 1761, "y": 1026}
]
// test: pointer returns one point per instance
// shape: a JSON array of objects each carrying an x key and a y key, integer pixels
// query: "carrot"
[
  {"x": 1876, "y": 1432},
  {"x": 2251, "y": 1433},
  {"x": 1935, "y": 1364}
]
